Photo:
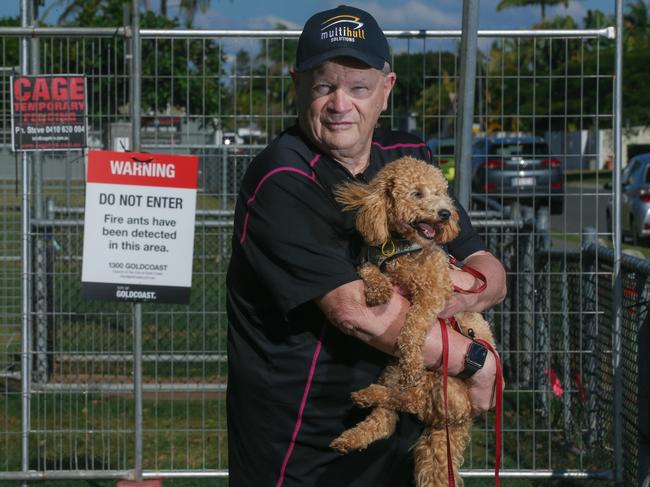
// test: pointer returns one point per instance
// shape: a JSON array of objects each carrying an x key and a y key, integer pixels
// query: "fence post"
[
  {"x": 542, "y": 325},
  {"x": 466, "y": 89},
  {"x": 617, "y": 286},
  {"x": 508, "y": 256},
  {"x": 136, "y": 64},
  {"x": 224, "y": 177},
  {"x": 41, "y": 369},
  {"x": 592, "y": 360},
  {"x": 26, "y": 250},
  {"x": 526, "y": 304}
]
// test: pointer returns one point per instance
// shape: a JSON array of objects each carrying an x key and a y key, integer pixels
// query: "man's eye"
[
  {"x": 360, "y": 91},
  {"x": 322, "y": 88}
]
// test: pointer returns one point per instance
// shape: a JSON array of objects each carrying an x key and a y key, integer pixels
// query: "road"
[{"x": 584, "y": 206}]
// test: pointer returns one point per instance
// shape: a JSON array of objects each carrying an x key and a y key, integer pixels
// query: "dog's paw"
[
  {"x": 378, "y": 288},
  {"x": 345, "y": 443},
  {"x": 373, "y": 395},
  {"x": 377, "y": 296}
]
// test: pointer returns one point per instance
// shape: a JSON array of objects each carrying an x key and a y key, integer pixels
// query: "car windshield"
[{"x": 508, "y": 149}]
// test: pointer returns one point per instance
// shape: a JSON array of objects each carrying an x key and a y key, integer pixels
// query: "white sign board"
[{"x": 139, "y": 227}]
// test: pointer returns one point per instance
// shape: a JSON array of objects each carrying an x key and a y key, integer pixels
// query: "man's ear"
[
  {"x": 294, "y": 76},
  {"x": 389, "y": 82}
]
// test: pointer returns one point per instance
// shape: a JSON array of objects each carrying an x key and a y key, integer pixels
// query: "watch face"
[{"x": 476, "y": 354}]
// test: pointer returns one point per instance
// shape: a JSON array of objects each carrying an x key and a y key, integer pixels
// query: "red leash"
[
  {"x": 498, "y": 386},
  {"x": 470, "y": 270},
  {"x": 445, "y": 373},
  {"x": 499, "y": 399},
  {"x": 445, "y": 366}
]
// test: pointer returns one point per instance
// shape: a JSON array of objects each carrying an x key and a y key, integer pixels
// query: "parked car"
[
  {"x": 442, "y": 152},
  {"x": 520, "y": 168},
  {"x": 635, "y": 200},
  {"x": 231, "y": 138}
]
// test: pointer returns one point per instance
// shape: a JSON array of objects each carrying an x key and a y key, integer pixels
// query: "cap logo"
[{"x": 343, "y": 28}]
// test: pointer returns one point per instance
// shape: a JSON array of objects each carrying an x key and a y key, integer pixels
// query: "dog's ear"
[
  {"x": 352, "y": 195},
  {"x": 371, "y": 202}
]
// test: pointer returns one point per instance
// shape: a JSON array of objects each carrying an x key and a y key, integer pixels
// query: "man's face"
[{"x": 339, "y": 104}]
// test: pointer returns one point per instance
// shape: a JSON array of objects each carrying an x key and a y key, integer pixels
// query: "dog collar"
[{"x": 391, "y": 249}]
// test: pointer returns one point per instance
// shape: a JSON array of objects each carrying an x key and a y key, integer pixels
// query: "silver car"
[
  {"x": 517, "y": 168},
  {"x": 635, "y": 200}
]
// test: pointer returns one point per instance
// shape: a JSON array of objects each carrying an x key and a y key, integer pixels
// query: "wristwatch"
[{"x": 474, "y": 360}]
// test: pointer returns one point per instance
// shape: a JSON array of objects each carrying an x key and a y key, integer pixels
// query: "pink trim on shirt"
[
  {"x": 397, "y": 146},
  {"x": 251, "y": 200},
  {"x": 303, "y": 403}
]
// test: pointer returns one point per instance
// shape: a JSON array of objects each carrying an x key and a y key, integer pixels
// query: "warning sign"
[
  {"x": 139, "y": 227},
  {"x": 48, "y": 112}
]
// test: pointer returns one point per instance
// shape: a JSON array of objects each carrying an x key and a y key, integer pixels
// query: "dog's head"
[{"x": 408, "y": 197}]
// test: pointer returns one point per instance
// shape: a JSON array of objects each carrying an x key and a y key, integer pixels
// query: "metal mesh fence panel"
[
  {"x": 223, "y": 97},
  {"x": 10, "y": 273}
]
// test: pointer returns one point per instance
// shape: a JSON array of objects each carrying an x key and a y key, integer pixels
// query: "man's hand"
[
  {"x": 459, "y": 302},
  {"x": 495, "y": 290}
]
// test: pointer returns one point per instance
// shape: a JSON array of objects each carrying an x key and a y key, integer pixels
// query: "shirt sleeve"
[
  {"x": 293, "y": 241},
  {"x": 468, "y": 241}
]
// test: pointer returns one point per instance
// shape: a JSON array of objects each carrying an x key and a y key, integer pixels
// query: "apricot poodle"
[{"x": 406, "y": 213}]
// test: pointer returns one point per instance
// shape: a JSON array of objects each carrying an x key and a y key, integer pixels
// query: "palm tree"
[{"x": 525, "y": 3}]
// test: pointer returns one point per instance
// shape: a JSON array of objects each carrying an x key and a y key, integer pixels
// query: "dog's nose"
[{"x": 444, "y": 214}]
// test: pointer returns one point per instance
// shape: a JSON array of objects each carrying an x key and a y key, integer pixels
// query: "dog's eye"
[{"x": 416, "y": 194}]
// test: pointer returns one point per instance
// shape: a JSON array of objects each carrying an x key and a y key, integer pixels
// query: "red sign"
[
  {"x": 142, "y": 169},
  {"x": 48, "y": 112}
]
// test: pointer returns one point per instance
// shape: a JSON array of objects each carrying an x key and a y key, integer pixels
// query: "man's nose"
[{"x": 339, "y": 101}]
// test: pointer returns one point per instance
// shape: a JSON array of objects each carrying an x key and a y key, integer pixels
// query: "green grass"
[
  {"x": 81, "y": 431},
  {"x": 95, "y": 431}
]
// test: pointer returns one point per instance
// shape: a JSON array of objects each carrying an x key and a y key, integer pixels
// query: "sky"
[{"x": 391, "y": 14}]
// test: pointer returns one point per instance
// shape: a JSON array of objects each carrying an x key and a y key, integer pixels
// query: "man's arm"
[{"x": 379, "y": 326}]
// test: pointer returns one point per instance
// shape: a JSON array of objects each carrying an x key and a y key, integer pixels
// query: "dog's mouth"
[{"x": 424, "y": 229}]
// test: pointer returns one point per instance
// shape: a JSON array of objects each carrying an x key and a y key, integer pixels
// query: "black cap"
[{"x": 342, "y": 31}]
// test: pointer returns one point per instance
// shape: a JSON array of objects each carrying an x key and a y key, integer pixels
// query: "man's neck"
[
  {"x": 355, "y": 164},
  {"x": 355, "y": 161}
]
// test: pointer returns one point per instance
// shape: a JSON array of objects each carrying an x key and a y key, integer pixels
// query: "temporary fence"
[{"x": 222, "y": 95}]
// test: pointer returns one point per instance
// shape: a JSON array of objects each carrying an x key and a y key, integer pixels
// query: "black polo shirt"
[{"x": 290, "y": 373}]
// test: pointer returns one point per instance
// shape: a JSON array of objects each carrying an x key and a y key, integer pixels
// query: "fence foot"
[{"x": 142, "y": 483}]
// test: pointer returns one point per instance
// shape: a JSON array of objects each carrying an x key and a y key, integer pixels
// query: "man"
[{"x": 301, "y": 338}]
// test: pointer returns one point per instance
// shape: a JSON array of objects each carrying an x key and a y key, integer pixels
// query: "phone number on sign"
[{"x": 138, "y": 266}]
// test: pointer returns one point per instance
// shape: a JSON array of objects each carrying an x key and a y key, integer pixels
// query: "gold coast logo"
[{"x": 343, "y": 28}]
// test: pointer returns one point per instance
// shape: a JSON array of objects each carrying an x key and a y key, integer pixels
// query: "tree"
[
  {"x": 503, "y": 4},
  {"x": 425, "y": 86},
  {"x": 184, "y": 75},
  {"x": 74, "y": 8},
  {"x": 272, "y": 64}
]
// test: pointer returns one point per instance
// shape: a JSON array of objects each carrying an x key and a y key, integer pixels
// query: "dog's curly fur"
[{"x": 409, "y": 197}]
